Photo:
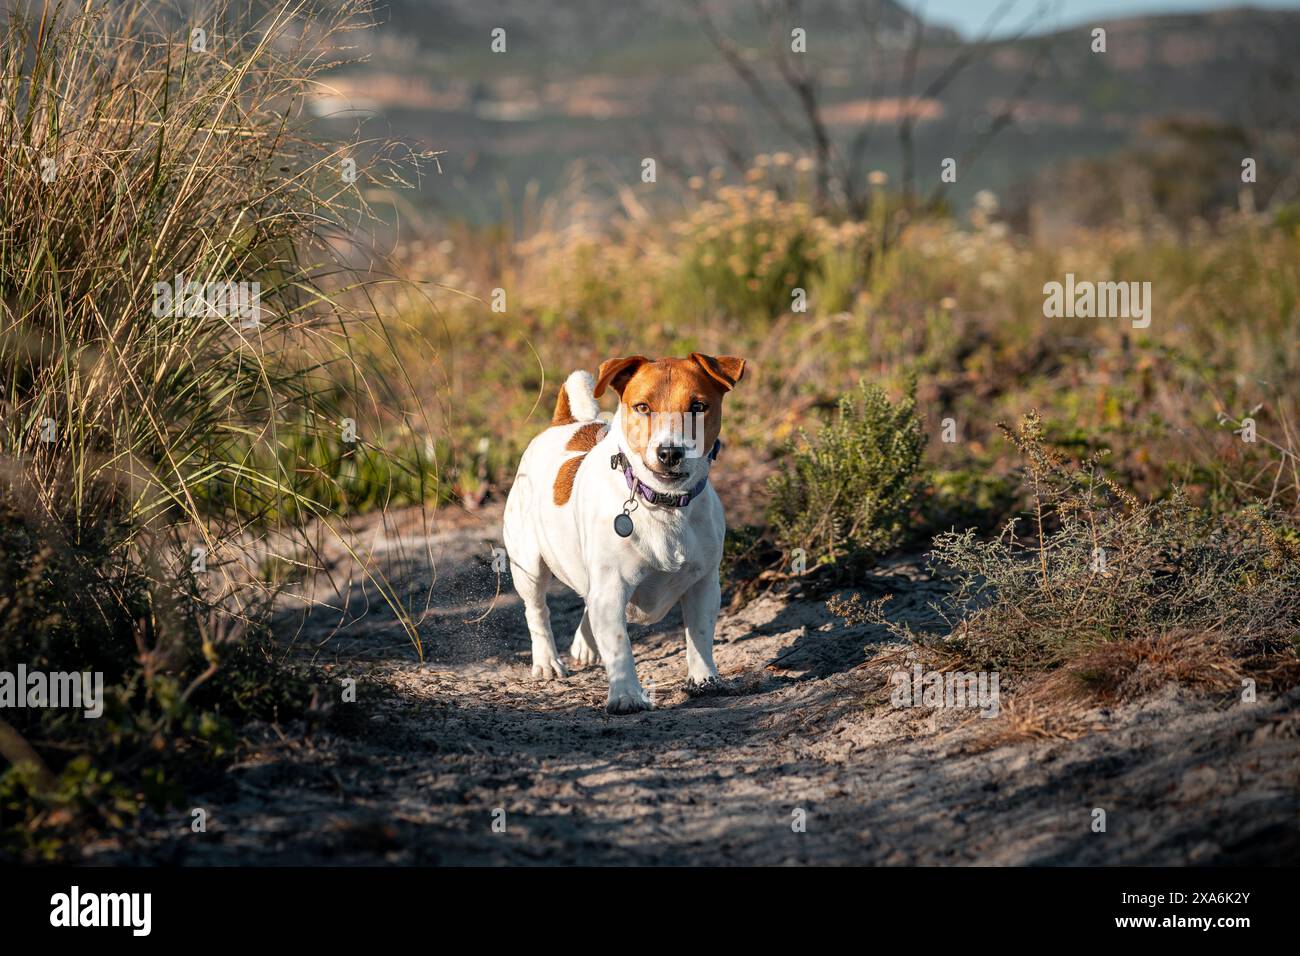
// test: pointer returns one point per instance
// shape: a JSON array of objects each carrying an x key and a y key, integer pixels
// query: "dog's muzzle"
[{"x": 670, "y": 499}]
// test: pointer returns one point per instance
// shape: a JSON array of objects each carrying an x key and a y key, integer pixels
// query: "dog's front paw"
[
  {"x": 627, "y": 700},
  {"x": 583, "y": 652},
  {"x": 548, "y": 667}
]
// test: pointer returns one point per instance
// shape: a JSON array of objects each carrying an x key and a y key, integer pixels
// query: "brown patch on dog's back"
[
  {"x": 585, "y": 438},
  {"x": 563, "y": 413},
  {"x": 564, "y": 478}
]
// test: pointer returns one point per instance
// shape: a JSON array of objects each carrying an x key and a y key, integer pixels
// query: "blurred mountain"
[
  {"x": 577, "y": 27},
  {"x": 604, "y": 85}
]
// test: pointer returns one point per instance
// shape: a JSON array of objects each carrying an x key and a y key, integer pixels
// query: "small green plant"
[{"x": 847, "y": 491}]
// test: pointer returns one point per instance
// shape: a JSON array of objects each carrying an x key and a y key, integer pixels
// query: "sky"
[{"x": 970, "y": 16}]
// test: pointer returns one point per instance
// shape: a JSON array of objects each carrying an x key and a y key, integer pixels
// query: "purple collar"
[{"x": 638, "y": 487}]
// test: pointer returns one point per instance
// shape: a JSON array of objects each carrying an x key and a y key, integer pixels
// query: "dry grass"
[
  {"x": 1103, "y": 599},
  {"x": 132, "y": 434},
  {"x": 1062, "y": 704},
  {"x": 956, "y": 305}
]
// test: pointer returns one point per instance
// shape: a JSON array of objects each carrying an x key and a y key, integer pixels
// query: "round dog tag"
[{"x": 623, "y": 526}]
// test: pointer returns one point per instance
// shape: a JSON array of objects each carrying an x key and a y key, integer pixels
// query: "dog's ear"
[
  {"x": 615, "y": 373},
  {"x": 726, "y": 370}
]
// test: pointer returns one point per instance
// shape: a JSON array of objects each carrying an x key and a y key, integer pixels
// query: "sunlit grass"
[
  {"x": 151, "y": 459},
  {"x": 957, "y": 303}
]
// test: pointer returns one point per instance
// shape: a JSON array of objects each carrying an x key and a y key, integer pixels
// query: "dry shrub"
[
  {"x": 1098, "y": 567},
  {"x": 1107, "y": 598},
  {"x": 1061, "y": 704}
]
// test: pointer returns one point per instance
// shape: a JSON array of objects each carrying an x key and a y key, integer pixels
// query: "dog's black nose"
[{"x": 670, "y": 456}]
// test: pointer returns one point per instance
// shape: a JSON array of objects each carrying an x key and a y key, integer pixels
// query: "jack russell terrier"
[{"x": 624, "y": 515}]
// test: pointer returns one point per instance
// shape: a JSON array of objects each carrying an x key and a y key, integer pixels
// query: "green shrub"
[{"x": 847, "y": 492}]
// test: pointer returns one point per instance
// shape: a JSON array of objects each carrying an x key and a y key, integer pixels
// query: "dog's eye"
[
  {"x": 698, "y": 406},
  {"x": 641, "y": 408}
]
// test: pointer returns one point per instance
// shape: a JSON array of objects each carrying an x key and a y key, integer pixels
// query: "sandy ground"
[{"x": 464, "y": 759}]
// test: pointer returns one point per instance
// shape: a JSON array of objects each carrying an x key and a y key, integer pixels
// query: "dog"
[{"x": 623, "y": 514}]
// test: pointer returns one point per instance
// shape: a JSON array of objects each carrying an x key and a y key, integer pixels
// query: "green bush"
[{"x": 847, "y": 492}]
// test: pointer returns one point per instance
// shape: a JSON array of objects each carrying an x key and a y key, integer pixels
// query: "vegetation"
[
  {"x": 848, "y": 491},
  {"x": 1098, "y": 565},
  {"x": 958, "y": 306},
  {"x": 150, "y": 449},
  {"x": 1096, "y": 593}
]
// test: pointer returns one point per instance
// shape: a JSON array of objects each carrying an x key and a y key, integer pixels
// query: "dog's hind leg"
[
  {"x": 583, "y": 650},
  {"x": 531, "y": 586}
]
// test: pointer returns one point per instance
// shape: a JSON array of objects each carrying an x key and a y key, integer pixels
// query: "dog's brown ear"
[
  {"x": 726, "y": 370},
  {"x": 615, "y": 373}
]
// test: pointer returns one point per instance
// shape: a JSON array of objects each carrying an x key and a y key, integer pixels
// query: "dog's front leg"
[
  {"x": 607, "y": 609},
  {"x": 700, "y": 606}
]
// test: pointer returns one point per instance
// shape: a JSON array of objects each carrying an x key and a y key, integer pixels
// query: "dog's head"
[{"x": 671, "y": 413}]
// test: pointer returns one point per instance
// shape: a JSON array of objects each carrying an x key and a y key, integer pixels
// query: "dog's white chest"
[
  {"x": 663, "y": 555},
  {"x": 668, "y": 545}
]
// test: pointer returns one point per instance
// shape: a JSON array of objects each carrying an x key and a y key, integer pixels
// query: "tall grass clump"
[
  {"x": 847, "y": 491},
  {"x": 150, "y": 455}
]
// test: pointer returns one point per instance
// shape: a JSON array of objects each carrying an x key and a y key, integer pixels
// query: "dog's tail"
[{"x": 576, "y": 402}]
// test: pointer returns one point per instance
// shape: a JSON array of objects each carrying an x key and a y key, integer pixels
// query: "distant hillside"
[
  {"x": 603, "y": 85},
  {"x": 579, "y": 27}
]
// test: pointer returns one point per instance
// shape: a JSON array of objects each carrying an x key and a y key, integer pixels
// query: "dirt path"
[{"x": 431, "y": 755}]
